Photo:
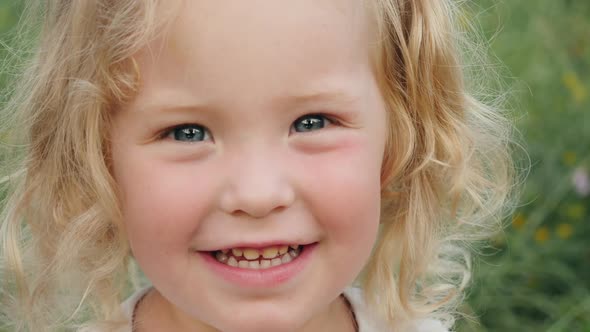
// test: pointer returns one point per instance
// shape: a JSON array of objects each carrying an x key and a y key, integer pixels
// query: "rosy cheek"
[
  {"x": 348, "y": 181},
  {"x": 164, "y": 201}
]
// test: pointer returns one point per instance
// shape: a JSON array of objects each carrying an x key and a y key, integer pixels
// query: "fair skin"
[{"x": 245, "y": 78}]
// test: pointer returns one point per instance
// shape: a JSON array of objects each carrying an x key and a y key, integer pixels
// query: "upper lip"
[{"x": 261, "y": 244}]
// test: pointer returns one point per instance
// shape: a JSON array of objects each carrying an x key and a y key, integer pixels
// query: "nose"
[{"x": 257, "y": 185}]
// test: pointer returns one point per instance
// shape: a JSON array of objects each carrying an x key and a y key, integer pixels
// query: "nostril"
[{"x": 257, "y": 199}]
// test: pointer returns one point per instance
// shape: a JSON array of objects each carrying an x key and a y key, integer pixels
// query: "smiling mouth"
[{"x": 258, "y": 259}]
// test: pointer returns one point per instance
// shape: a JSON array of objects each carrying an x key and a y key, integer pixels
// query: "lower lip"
[{"x": 261, "y": 278}]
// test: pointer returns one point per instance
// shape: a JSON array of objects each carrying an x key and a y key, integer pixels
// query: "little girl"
[{"x": 313, "y": 165}]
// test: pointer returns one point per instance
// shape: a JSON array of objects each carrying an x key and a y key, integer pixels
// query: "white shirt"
[{"x": 366, "y": 320}]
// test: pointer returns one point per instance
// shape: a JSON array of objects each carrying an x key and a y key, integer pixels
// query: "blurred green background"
[{"x": 537, "y": 275}]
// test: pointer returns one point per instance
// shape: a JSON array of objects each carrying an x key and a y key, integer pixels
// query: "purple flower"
[{"x": 581, "y": 181}]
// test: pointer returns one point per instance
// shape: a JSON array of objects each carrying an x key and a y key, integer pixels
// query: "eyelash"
[{"x": 168, "y": 132}]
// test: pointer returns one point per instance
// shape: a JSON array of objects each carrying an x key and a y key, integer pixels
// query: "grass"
[{"x": 538, "y": 277}]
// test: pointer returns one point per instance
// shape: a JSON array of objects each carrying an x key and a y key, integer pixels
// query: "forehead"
[{"x": 259, "y": 47}]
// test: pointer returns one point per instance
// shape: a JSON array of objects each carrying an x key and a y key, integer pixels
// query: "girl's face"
[{"x": 258, "y": 125}]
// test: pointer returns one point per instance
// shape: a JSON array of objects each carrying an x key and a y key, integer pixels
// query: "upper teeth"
[
  {"x": 252, "y": 254},
  {"x": 271, "y": 256}
]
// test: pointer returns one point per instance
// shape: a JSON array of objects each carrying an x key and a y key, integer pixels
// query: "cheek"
[
  {"x": 162, "y": 202},
  {"x": 347, "y": 186}
]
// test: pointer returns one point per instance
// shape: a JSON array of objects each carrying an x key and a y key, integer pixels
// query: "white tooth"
[
  {"x": 243, "y": 264},
  {"x": 294, "y": 253},
  {"x": 221, "y": 257},
  {"x": 275, "y": 262},
  {"x": 237, "y": 252},
  {"x": 270, "y": 252},
  {"x": 283, "y": 250},
  {"x": 295, "y": 246},
  {"x": 251, "y": 254},
  {"x": 265, "y": 264},
  {"x": 286, "y": 259},
  {"x": 232, "y": 261},
  {"x": 254, "y": 265}
]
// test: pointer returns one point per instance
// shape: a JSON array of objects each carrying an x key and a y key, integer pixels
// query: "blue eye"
[
  {"x": 188, "y": 133},
  {"x": 310, "y": 122}
]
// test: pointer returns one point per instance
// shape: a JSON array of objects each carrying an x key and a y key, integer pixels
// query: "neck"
[{"x": 154, "y": 313}]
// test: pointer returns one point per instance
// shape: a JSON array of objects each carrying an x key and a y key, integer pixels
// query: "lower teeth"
[{"x": 257, "y": 264}]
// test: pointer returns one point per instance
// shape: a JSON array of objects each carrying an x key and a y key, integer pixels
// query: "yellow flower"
[
  {"x": 542, "y": 235},
  {"x": 575, "y": 211},
  {"x": 576, "y": 87},
  {"x": 565, "y": 230},
  {"x": 518, "y": 221},
  {"x": 569, "y": 158}
]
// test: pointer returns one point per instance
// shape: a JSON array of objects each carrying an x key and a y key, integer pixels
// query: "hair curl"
[{"x": 447, "y": 173}]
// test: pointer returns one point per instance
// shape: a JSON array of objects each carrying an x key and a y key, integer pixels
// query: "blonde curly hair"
[{"x": 447, "y": 176}]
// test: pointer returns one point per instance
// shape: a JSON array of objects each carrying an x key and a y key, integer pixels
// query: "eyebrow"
[{"x": 338, "y": 97}]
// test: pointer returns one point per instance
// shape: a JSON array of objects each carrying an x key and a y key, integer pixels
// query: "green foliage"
[{"x": 538, "y": 278}]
